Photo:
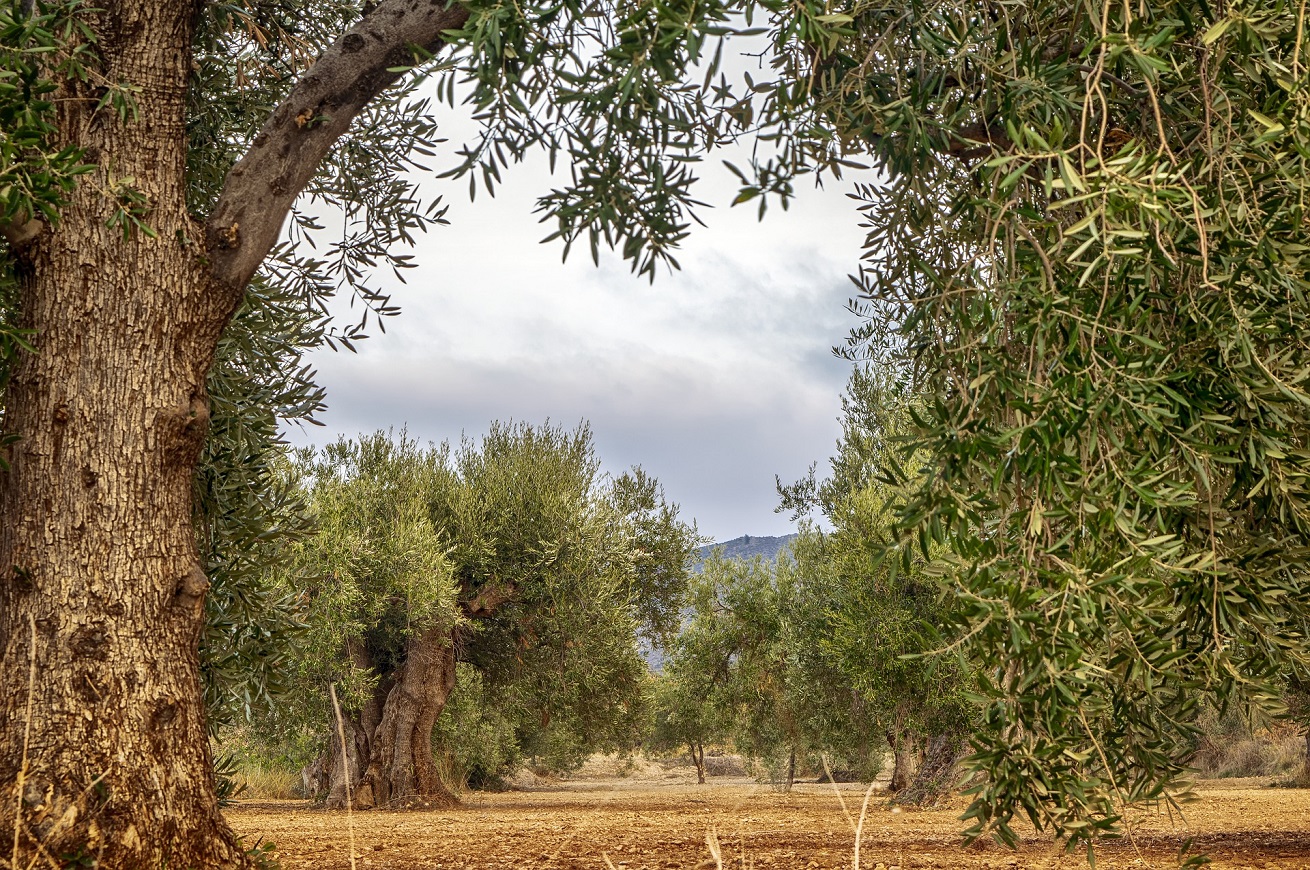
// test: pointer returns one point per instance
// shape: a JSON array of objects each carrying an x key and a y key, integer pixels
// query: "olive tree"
[
  {"x": 511, "y": 554},
  {"x": 886, "y": 620},
  {"x": 753, "y": 665},
  {"x": 1089, "y": 257}
]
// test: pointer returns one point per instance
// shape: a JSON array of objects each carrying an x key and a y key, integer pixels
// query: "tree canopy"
[
  {"x": 1088, "y": 255},
  {"x": 512, "y": 555}
]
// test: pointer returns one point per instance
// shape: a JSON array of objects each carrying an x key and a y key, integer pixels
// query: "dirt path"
[{"x": 662, "y": 826}]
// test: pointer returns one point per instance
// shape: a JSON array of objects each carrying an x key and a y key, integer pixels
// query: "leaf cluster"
[{"x": 1090, "y": 251}]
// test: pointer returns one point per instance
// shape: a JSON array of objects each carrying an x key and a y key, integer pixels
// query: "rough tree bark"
[
  {"x": 902, "y": 746},
  {"x": 402, "y": 772},
  {"x": 103, "y": 756},
  {"x": 698, "y": 758},
  {"x": 359, "y": 729},
  {"x": 394, "y": 739},
  {"x": 96, "y": 546},
  {"x": 389, "y": 742}
]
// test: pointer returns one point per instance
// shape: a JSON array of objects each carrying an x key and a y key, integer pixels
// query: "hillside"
[{"x": 749, "y": 546}]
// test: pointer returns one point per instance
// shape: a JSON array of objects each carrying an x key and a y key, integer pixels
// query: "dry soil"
[{"x": 662, "y": 823}]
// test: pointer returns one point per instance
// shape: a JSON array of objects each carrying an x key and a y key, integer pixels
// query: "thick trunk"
[
  {"x": 100, "y": 585},
  {"x": 698, "y": 759},
  {"x": 902, "y": 746},
  {"x": 937, "y": 776},
  {"x": 401, "y": 770},
  {"x": 359, "y": 729}
]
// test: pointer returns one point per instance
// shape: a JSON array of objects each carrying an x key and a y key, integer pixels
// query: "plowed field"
[{"x": 663, "y": 825}]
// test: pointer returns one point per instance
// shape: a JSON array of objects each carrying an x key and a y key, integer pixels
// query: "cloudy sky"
[{"x": 714, "y": 379}]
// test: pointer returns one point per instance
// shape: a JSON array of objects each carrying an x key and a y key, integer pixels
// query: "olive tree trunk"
[
  {"x": 1305, "y": 767},
  {"x": 103, "y": 751},
  {"x": 401, "y": 770},
  {"x": 698, "y": 758},
  {"x": 388, "y": 754},
  {"x": 339, "y": 767},
  {"x": 903, "y": 751},
  {"x": 101, "y": 594},
  {"x": 938, "y": 774}
]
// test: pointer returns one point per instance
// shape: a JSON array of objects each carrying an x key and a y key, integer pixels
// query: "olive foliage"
[
  {"x": 544, "y": 570},
  {"x": 1089, "y": 255},
  {"x": 752, "y": 666},
  {"x": 885, "y": 620}
]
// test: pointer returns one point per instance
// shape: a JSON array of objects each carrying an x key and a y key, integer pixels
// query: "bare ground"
[{"x": 661, "y": 822}]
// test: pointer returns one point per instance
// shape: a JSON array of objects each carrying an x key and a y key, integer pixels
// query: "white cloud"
[{"x": 715, "y": 379}]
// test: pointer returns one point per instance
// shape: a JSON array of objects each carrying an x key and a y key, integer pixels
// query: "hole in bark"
[
  {"x": 165, "y": 714},
  {"x": 22, "y": 580},
  {"x": 90, "y": 641},
  {"x": 86, "y": 687}
]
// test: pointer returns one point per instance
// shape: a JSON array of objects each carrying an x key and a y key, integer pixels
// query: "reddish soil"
[{"x": 654, "y": 825}]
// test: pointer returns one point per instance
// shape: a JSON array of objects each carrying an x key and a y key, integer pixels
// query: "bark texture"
[
  {"x": 938, "y": 773},
  {"x": 359, "y": 728},
  {"x": 298, "y": 135},
  {"x": 402, "y": 771},
  {"x": 902, "y": 746},
  {"x": 103, "y": 755},
  {"x": 99, "y": 580},
  {"x": 389, "y": 759}
]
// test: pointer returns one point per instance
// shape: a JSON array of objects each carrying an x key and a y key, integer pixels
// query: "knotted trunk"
[
  {"x": 402, "y": 771},
  {"x": 104, "y": 754}
]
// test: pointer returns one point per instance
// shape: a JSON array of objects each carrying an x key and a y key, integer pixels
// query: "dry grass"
[
  {"x": 268, "y": 783},
  {"x": 1275, "y": 751}
]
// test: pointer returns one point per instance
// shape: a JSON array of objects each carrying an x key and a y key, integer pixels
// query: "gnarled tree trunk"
[
  {"x": 402, "y": 771},
  {"x": 359, "y": 729},
  {"x": 100, "y": 584},
  {"x": 938, "y": 773}
]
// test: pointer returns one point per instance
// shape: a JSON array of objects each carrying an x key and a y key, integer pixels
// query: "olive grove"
[
  {"x": 152, "y": 154},
  {"x": 1086, "y": 255}
]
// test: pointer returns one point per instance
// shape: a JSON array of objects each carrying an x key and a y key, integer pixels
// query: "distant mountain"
[{"x": 749, "y": 546}]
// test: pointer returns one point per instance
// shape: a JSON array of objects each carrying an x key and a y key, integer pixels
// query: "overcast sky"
[{"x": 714, "y": 379}]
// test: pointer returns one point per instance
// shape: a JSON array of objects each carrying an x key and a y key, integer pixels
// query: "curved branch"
[{"x": 261, "y": 188}]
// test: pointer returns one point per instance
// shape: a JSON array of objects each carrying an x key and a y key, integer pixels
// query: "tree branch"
[
  {"x": 260, "y": 190},
  {"x": 22, "y": 231},
  {"x": 489, "y": 599}
]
